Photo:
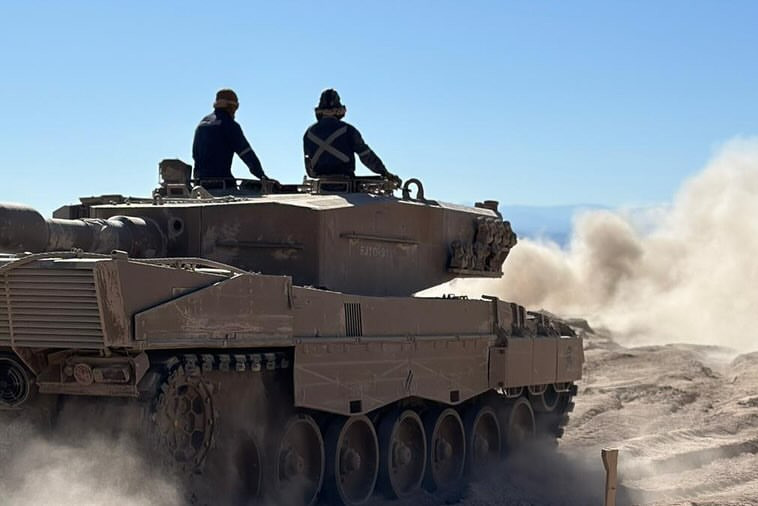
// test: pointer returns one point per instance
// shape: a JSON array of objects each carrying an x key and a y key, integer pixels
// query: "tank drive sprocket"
[{"x": 184, "y": 417}]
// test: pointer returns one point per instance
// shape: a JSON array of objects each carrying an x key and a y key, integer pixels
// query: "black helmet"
[{"x": 330, "y": 105}]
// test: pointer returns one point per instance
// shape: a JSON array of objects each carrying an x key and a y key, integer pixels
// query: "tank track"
[
  {"x": 551, "y": 424},
  {"x": 225, "y": 422}
]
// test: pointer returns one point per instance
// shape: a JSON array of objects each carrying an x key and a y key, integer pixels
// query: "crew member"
[
  {"x": 217, "y": 138},
  {"x": 330, "y": 144}
]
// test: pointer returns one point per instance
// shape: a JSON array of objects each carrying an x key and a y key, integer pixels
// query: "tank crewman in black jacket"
[
  {"x": 330, "y": 144},
  {"x": 217, "y": 138}
]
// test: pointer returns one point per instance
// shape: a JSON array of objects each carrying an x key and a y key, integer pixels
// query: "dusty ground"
[{"x": 684, "y": 417}]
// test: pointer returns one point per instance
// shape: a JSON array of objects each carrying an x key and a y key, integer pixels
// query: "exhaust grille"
[
  {"x": 51, "y": 308},
  {"x": 5, "y": 326},
  {"x": 353, "y": 319}
]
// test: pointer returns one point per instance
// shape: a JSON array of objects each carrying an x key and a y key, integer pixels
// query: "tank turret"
[{"x": 351, "y": 235}]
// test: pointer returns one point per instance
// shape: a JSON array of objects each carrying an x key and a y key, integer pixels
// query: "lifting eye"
[{"x": 419, "y": 190}]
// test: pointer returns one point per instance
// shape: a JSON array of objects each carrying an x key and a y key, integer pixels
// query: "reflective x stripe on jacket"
[
  {"x": 330, "y": 146},
  {"x": 326, "y": 145}
]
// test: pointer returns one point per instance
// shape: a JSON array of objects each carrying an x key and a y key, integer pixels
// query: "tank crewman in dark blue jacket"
[
  {"x": 330, "y": 144},
  {"x": 217, "y": 138}
]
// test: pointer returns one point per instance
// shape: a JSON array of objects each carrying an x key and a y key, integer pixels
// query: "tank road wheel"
[
  {"x": 547, "y": 401},
  {"x": 483, "y": 439},
  {"x": 184, "y": 418},
  {"x": 15, "y": 383},
  {"x": 518, "y": 423},
  {"x": 299, "y": 462},
  {"x": 352, "y": 460},
  {"x": 402, "y": 443},
  {"x": 446, "y": 450},
  {"x": 249, "y": 468}
]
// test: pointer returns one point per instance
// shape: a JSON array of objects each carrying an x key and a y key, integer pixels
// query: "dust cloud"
[
  {"x": 91, "y": 468},
  {"x": 685, "y": 273},
  {"x": 534, "y": 475},
  {"x": 539, "y": 475}
]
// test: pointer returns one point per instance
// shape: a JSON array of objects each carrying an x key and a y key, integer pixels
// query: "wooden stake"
[{"x": 610, "y": 461}]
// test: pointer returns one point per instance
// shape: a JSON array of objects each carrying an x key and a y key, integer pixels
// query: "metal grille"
[
  {"x": 52, "y": 308},
  {"x": 5, "y": 329},
  {"x": 353, "y": 320}
]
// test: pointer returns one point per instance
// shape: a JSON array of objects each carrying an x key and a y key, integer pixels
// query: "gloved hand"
[
  {"x": 266, "y": 179},
  {"x": 392, "y": 177}
]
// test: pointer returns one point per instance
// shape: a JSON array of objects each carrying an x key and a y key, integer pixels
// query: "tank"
[{"x": 267, "y": 339}]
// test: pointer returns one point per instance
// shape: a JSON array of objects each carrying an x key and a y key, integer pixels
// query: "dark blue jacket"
[
  {"x": 330, "y": 146},
  {"x": 217, "y": 138}
]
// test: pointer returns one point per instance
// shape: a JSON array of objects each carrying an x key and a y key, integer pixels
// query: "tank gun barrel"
[{"x": 24, "y": 229}]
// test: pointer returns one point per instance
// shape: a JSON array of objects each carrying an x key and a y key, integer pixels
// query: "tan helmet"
[{"x": 225, "y": 99}]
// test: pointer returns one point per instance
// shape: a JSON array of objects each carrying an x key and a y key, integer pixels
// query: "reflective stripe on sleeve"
[{"x": 245, "y": 151}]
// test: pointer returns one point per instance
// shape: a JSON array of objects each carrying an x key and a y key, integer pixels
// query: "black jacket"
[
  {"x": 217, "y": 138},
  {"x": 330, "y": 146}
]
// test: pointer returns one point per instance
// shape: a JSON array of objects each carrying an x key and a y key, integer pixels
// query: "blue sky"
[{"x": 541, "y": 103}]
